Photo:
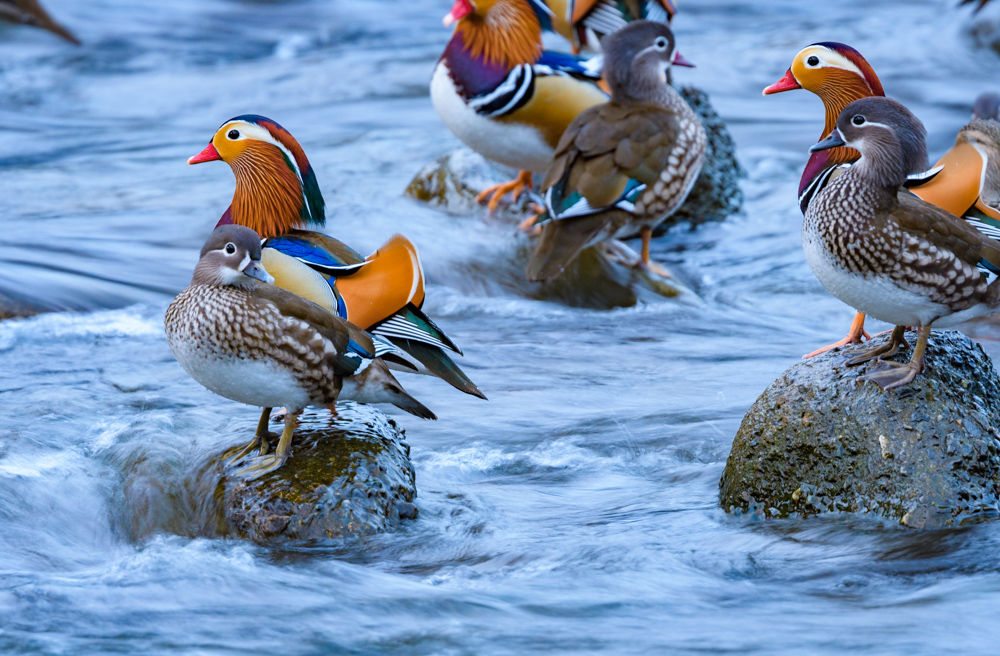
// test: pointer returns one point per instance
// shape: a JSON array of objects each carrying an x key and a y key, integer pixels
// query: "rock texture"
[
  {"x": 452, "y": 181},
  {"x": 926, "y": 455},
  {"x": 351, "y": 478}
]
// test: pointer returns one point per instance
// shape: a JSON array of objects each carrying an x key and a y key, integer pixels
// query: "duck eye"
[
  {"x": 660, "y": 43},
  {"x": 858, "y": 120},
  {"x": 230, "y": 248},
  {"x": 813, "y": 61},
  {"x": 234, "y": 134}
]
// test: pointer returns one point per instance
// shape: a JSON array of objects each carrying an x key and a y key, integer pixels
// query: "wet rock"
[
  {"x": 349, "y": 478},
  {"x": 452, "y": 181},
  {"x": 926, "y": 455},
  {"x": 600, "y": 279}
]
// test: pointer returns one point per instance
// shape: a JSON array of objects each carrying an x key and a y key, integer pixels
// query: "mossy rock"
[
  {"x": 926, "y": 455},
  {"x": 351, "y": 477},
  {"x": 452, "y": 181}
]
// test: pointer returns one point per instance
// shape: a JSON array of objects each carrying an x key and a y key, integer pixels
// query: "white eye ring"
[
  {"x": 230, "y": 248},
  {"x": 858, "y": 119},
  {"x": 813, "y": 61},
  {"x": 234, "y": 137},
  {"x": 660, "y": 43}
]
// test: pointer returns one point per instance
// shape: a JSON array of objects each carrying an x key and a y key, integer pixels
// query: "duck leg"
[
  {"x": 895, "y": 341},
  {"x": 517, "y": 186},
  {"x": 266, "y": 464},
  {"x": 888, "y": 375},
  {"x": 646, "y": 233},
  {"x": 855, "y": 335},
  {"x": 260, "y": 439}
]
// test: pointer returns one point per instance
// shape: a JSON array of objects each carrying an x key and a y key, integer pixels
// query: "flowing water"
[{"x": 576, "y": 511}]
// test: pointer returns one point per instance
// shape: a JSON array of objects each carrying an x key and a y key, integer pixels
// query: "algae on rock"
[
  {"x": 820, "y": 440},
  {"x": 349, "y": 479}
]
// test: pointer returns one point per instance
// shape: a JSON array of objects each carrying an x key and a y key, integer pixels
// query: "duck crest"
[
  {"x": 841, "y": 89},
  {"x": 276, "y": 188},
  {"x": 484, "y": 49}
]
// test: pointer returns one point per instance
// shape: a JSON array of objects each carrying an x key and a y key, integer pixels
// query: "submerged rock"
[
  {"x": 600, "y": 279},
  {"x": 452, "y": 181},
  {"x": 353, "y": 477},
  {"x": 926, "y": 455}
]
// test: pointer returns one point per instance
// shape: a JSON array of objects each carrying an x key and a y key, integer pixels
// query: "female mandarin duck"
[
  {"x": 585, "y": 22},
  {"x": 622, "y": 167},
  {"x": 277, "y": 195},
  {"x": 886, "y": 252},
  {"x": 839, "y": 75},
  {"x": 252, "y": 342},
  {"x": 505, "y": 98},
  {"x": 31, "y": 12}
]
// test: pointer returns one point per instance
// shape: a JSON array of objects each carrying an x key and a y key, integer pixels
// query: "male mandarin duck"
[
  {"x": 31, "y": 12},
  {"x": 886, "y": 252},
  {"x": 839, "y": 75},
  {"x": 249, "y": 341},
  {"x": 277, "y": 195},
  {"x": 624, "y": 166},
  {"x": 585, "y": 22},
  {"x": 501, "y": 94}
]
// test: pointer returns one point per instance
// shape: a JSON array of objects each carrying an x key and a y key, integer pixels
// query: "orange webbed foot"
[
  {"x": 855, "y": 335},
  {"x": 528, "y": 225},
  {"x": 494, "y": 193}
]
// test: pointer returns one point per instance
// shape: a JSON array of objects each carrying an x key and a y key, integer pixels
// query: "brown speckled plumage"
[
  {"x": 885, "y": 251},
  {"x": 252, "y": 342},
  {"x": 220, "y": 323}
]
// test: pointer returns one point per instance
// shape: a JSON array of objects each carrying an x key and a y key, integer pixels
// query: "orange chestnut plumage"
[{"x": 276, "y": 189}]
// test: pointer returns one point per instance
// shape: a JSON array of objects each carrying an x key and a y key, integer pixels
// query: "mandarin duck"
[
  {"x": 839, "y": 75},
  {"x": 888, "y": 253},
  {"x": 31, "y": 12},
  {"x": 277, "y": 195},
  {"x": 502, "y": 95},
  {"x": 585, "y": 22},
  {"x": 624, "y": 166},
  {"x": 249, "y": 341}
]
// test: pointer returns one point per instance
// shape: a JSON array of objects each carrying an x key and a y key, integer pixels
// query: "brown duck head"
[
  {"x": 637, "y": 59},
  {"x": 891, "y": 140},
  {"x": 231, "y": 258}
]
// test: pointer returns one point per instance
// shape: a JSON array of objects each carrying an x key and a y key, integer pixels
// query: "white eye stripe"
[
  {"x": 831, "y": 59},
  {"x": 245, "y": 262},
  {"x": 249, "y": 130}
]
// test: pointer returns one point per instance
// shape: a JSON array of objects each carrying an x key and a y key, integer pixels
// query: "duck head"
[
  {"x": 499, "y": 32},
  {"x": 276, "y": 188},
  {"x": 986, "y": 107},
  {"x": 231, "y": 258},
  {"x": 839, "y": 75},
  {"x": 637, "y": 59},
  {"x": 891, "y": 140}
]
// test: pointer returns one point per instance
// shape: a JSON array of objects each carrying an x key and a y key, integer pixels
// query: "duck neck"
[{"x": 268, "y": 197}]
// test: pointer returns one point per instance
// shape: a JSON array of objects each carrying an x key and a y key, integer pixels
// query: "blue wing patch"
[
  {"x": 311, "y": 255},
  {"x": 555, "y": 63}
]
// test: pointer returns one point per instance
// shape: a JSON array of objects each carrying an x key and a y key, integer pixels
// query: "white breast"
[
  {"x": 262, "y": 383},
  {"x": 876, "y": 296},
  {"x": 516, "y": 145}
]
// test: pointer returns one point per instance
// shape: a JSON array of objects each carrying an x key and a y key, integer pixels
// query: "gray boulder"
[
  {"x": 452, "y": 181},
  {"x": 351, "y": 478},
  {"x": 819, "y": 440}
]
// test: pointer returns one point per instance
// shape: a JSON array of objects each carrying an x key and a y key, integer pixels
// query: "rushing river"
[{"x": 576, "y": 511}]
